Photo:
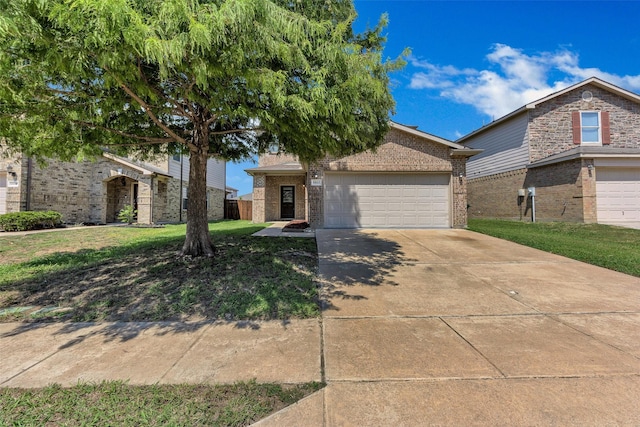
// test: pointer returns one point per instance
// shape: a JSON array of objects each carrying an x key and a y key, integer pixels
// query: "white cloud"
[{"x": 512, "y": 80}]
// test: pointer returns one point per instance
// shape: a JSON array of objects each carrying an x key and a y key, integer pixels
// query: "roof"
[
  {"x": 458, "y": 149},
  {"x": 227, "y": 188},
  {"x": 289, "y": 168},
  {"x": 532, "y": 105},
  {"x": 586, "y": 153},
  {"x": 139, "y": 166}
]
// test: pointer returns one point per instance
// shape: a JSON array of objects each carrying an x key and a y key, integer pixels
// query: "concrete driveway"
[{"x": 451, "y": 327}]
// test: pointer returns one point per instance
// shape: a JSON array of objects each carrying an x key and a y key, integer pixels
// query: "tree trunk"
[{"x": 198, "y": 239}]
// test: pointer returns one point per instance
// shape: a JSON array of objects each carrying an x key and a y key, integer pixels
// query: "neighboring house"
[
  {"x": 231, "y": 193},
  {"x": 95, "y": 191},
  {"x": 578, "y": 149},
  {"x": 413, "y": 179}
]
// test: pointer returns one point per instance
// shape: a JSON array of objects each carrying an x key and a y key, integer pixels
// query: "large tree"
[{"x": 211, "y": 78}]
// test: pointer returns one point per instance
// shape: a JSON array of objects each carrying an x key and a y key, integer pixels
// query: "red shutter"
[
  {"x": 575, "y": 127},
  {"x": 606, "y": 129}
]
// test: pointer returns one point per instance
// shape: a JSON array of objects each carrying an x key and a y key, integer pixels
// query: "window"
[
  {"x": 591, "y": 128},
  {"x": 274, "y": 148},
  {"x": 176, "y": 157}
]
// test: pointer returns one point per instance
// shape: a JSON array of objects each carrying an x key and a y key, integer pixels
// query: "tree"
[{"x": 211, "y": 78}]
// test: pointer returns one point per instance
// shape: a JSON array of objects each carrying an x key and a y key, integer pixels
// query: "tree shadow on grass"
[{"x": 249, "y": 280}]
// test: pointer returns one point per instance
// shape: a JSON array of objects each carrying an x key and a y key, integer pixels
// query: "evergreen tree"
[{"x": 207, "y": 78}]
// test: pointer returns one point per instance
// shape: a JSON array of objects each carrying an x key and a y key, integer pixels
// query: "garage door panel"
[
  {"x": 618, "y": 195},
  {"x": 387, "y": 200}
]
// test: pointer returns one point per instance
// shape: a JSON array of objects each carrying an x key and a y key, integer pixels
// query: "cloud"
[{"x": 512, "y": 80}]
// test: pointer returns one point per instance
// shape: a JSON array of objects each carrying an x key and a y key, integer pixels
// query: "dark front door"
[{"x": 287, "y": 201}]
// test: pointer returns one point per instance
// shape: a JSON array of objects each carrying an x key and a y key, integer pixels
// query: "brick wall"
[
  {"x": 564, "y": 192},
  {"x": 400, "y": 152},
  {"x": 276, "y": 159},
  {"x": 272, "y": 204}
]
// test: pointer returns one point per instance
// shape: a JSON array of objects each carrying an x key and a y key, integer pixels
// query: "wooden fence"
[{"x": 238, "y": 209}]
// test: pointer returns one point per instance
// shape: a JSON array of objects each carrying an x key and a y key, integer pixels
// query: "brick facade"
[
  {"x": 400, "y": 152},
  {"x": 272, "y": 204},
  {"x": 564, "y": 192}
]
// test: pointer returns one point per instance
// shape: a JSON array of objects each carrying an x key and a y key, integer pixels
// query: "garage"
[
  {"x": 387, "y": 200},
  {"x": 618, "y": 195}
]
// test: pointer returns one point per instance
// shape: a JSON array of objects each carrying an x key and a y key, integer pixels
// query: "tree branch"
[
  {"x": 147, "y": 110},
  {"x": 228, "y": 132},
  {"x": 145, "y": 139}
]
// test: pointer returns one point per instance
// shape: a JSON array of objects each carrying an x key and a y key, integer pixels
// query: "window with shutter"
[{"x": 591, "y": 128}]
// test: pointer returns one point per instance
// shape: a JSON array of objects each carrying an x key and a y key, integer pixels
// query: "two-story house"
[
  {"x": 571, "y": 156},
  {"x": 95, "y": 191}
]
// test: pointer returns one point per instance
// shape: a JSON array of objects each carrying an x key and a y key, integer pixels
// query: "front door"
[{"x": 287, "y": 202}]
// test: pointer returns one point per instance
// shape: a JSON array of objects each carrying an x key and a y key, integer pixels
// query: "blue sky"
[{"x": 475, "y": 61}]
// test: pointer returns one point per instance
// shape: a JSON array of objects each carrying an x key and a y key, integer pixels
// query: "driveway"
[{"x": 451, "y": 327}]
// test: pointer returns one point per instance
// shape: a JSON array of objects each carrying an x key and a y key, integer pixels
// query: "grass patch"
[
  {"x": 615, "y": 248},
  {"x": 134, "y": 274},
  {"x": 117, "y": 403}
]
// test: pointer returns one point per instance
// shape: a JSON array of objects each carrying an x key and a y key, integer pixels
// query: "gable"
[
  {"x": 400, "y": 151},
  {"x": 554, "y": 124}
]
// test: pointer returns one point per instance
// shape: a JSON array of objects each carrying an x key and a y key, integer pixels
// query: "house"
[
  {"x": 95, "y": 191},
  {"x": 231, "y": 193},
  {"x": 576, "y": 151},
  {"x": 413, "y": 179}
]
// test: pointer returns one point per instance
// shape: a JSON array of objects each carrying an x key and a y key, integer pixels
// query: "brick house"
[
  {"x": 413, "y": 179},
  {"x": 578, "y": 149},
  {"x": 95, "y": 191}
]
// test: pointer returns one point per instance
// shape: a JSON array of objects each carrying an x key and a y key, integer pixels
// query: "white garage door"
[
  {"x": 618, "y": 195},
  {"x": 354, "y": 200}
]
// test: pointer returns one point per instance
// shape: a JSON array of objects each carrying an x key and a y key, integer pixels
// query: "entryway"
[{"x": 287, "y": 202}]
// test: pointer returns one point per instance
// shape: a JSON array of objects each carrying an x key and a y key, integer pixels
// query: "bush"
[
  {"x": 127, "y": 214},
  {"x": 23, "y": 221}
]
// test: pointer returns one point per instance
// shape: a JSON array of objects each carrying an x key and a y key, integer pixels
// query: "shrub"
[
  {"x": 127, "y": 214},
  {"x": 23, "y": 221}
]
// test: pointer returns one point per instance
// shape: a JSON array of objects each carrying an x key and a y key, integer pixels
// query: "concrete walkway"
[
  {"x": 36, "y": 355},
  {"x": 426, "y": 327}
]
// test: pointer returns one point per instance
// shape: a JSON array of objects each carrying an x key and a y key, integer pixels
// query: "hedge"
[{"x": 23, "y": 221}]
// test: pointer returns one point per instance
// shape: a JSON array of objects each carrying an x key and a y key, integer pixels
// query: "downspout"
[{"x": 28, "y": 189}]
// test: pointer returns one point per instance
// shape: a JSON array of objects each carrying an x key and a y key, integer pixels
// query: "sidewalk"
[{"x": 36, "y": 355}]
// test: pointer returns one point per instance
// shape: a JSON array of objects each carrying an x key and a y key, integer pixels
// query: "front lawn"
[
  {"x": 119, "y": 404},
  {"x": 133, "y": 274},
  {"x": 616, "y": 248}
]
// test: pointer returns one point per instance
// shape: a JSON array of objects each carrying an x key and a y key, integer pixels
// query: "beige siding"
[
  {"x": 216, "y": 173},
  {"x": 505, "y": 149}
]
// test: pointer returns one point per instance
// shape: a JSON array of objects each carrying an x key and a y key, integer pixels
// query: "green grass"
[
  {"x": 134, "y": 274},
  {"x": 116, "y": 403},
  {"x": 615, "y": 248}
]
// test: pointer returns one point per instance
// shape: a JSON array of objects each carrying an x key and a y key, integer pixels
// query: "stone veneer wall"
[
  {"x": 93, "y": 192},
  {"x": 550, "y": 122},
  {"x": 564, "y": 192}
]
